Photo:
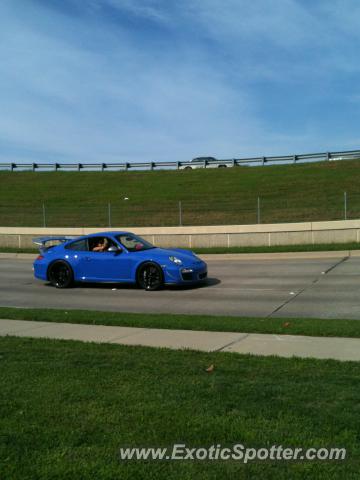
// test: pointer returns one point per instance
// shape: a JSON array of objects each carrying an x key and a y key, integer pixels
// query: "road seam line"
[{"x": 344, "y": 259}]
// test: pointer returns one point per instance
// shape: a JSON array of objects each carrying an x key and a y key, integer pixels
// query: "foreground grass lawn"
[
  {"x": 318, "y": 327},
  {"x": 67, "y": 407}
]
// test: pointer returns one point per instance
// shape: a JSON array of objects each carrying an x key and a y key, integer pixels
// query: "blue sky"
[{"x": 154, "y": 80}]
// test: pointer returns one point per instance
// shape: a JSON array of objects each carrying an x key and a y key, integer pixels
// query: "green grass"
[
  {"x": 18, "y": 250},
  {"x": 68, "y": 407},
  {"x": 324, "y": 247},
  {"x": 291, "y": 326},
  {"x": 288, "y": 193}
]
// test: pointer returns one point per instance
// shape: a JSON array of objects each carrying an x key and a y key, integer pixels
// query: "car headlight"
[{"x": 175, "y": 260}]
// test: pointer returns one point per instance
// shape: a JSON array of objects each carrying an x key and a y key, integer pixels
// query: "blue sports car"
[{"x": 115, "y": 257}]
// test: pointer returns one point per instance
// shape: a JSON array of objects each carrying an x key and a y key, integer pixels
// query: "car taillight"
[{"x": 40, "y": 257}]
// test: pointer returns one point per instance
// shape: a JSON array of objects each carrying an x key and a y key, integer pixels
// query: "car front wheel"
[{"x": 150, "y": 276}]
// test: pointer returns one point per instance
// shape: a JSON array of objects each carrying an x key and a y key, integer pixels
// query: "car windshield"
[{"x": 132, "y": 243}]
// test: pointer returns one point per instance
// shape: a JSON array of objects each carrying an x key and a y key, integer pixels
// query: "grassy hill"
[{"x": 288, "y": 193}]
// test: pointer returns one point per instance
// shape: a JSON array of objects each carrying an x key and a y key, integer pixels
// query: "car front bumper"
[{"x": 185, "y": 274}]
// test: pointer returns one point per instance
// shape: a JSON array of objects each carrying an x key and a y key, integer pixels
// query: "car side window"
[{"x": 79, "y": 245}]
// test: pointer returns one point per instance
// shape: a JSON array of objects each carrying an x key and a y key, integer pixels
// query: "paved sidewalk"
[{"x": 253, "y": 343}]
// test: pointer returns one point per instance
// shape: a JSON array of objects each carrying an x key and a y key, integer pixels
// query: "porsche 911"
[{"x": 115, "y": 257}]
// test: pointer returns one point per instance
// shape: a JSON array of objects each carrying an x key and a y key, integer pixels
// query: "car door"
[{"x": 106, "y": 266}]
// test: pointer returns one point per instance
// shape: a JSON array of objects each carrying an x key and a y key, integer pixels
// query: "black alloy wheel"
[
  {"x": 60, "y": 275},
  {"x": 150, "y": 276}
]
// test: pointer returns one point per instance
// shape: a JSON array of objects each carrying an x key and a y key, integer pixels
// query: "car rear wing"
[{"x": 42, "y": 241}]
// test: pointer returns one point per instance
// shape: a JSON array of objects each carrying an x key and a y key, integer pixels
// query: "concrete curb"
[
  {"x": 342, "y": 349},
  {"x": 233, "y": 256}
]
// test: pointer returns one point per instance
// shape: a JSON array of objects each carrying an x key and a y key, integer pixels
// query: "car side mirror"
[{"x": 115, "y": 250}]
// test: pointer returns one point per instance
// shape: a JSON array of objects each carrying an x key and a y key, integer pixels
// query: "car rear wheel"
[
  {"x": 60, "y": 275},
  {"x": 150, "y": 276}
]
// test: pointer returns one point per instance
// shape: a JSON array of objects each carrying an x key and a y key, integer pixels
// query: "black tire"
[
  {"x": 188, "y": 168},
  {"x": 60, "y": 274},
  {"x": 222, "y": 166},
  {"x": 150, "y": 276}
]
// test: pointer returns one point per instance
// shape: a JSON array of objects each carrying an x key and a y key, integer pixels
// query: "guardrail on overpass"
[
  {"x": 209, "y": 236},
  {"x": 233, "y": 162}
]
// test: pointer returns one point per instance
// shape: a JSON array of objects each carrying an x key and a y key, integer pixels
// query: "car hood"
[{"x": 186, "y": 256}]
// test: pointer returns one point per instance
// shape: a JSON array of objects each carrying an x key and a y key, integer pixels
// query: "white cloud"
[
  {"x": 120, "y": 105},
  {"x": 148, "y": 9},
  {"x": 283, "y": 22}
]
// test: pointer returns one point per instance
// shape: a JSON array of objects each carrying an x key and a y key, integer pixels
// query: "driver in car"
[{"x": 101, "y": 246}]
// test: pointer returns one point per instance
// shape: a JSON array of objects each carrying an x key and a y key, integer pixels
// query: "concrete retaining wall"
[{"x": 209, "y": 236}]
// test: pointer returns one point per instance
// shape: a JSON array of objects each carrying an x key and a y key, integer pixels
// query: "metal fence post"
[
  {"x": 44, "y": 215},
  {"x": 180, "y": 214},
  {"x": 258, "y": 210},
  {"x": 109, "y": 214},
  {"x": 345, "y": 206}
]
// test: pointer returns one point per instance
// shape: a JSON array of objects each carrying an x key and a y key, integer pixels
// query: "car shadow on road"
[{"x": 209, "y": 282}]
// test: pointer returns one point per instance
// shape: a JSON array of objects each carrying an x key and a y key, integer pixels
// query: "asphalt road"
[{"x": 312, "y": 287}]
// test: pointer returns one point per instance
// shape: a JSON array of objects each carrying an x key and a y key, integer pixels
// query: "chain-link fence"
[{"x": 250, "y": 210}]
